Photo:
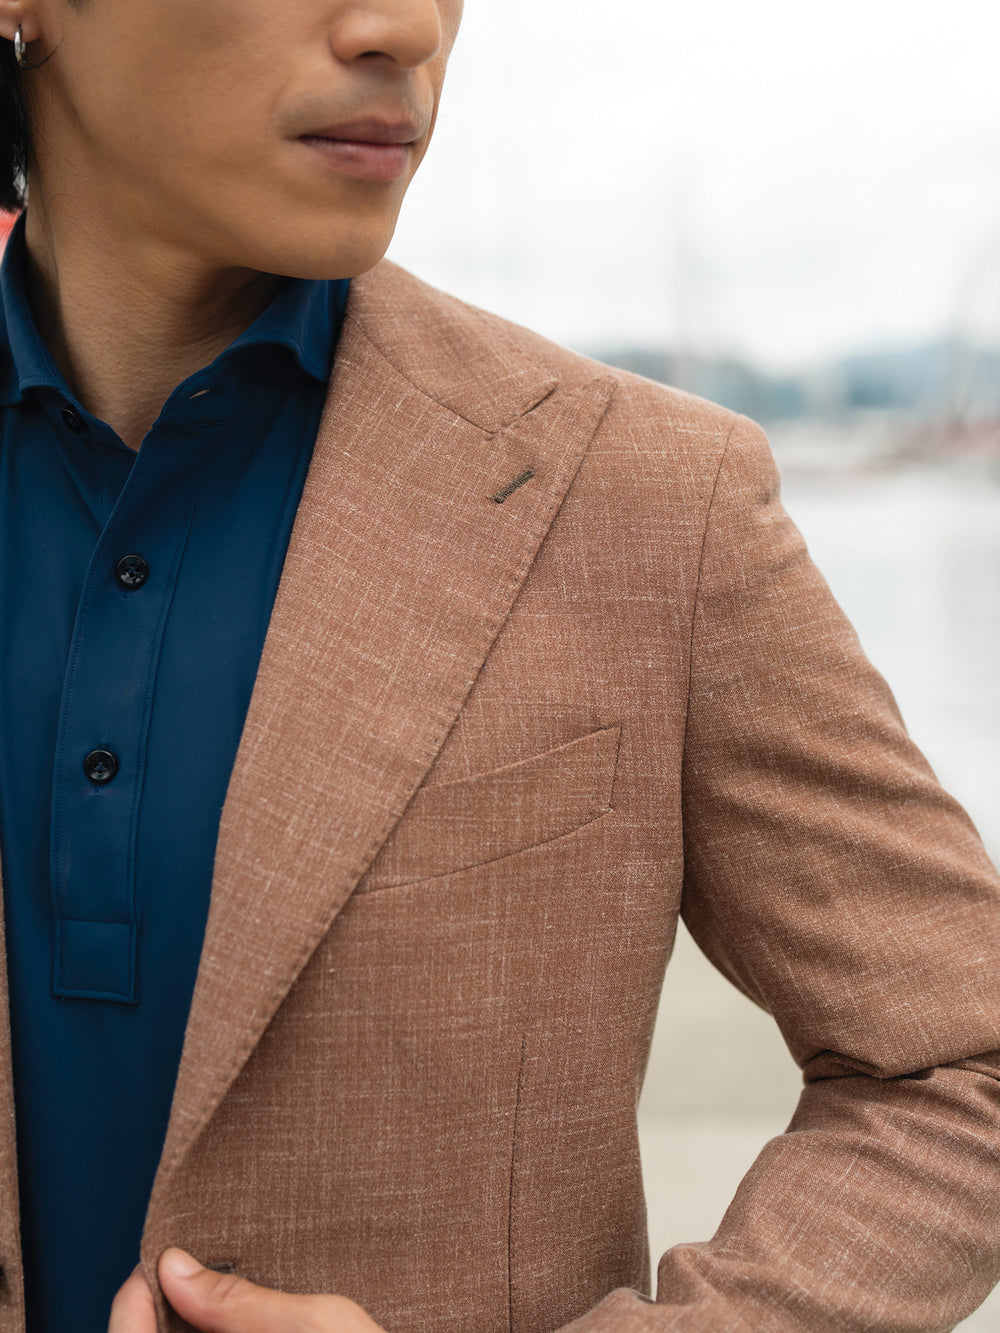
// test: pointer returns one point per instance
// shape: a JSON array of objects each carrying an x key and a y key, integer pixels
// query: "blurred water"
[{"x": 913, "y": 556}]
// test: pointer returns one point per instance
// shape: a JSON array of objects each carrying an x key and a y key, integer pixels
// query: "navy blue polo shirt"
[{"x": 135, "y": 593}]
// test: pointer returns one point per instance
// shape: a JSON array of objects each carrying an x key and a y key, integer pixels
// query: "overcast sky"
[{"x": 782, "y": 180}]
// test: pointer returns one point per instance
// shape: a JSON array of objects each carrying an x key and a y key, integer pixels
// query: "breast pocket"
[{"x": 451, "y": 826}]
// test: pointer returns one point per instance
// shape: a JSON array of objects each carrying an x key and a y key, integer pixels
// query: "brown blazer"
[{"x": 500, "y": 737}]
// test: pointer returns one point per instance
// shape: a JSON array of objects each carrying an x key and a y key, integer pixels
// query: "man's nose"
[{"x": 407, "y": 32}]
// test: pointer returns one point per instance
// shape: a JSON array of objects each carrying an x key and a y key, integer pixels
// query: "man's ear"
[{"x": 23, "y": 14}]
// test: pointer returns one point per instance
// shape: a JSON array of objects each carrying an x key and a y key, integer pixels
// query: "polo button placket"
[{"x": 109, "y": 685}]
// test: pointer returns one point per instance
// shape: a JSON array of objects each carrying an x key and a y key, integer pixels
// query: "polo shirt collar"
[
  {"x": 304, "y": 316},
  {"x": 25, "y": 362}
]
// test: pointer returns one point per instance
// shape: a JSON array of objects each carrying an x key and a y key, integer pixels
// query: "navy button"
[
  {"x": 100, "y": 766},
  {"x": 131, "y": 571},
  {"x": 74, "y": 420}
]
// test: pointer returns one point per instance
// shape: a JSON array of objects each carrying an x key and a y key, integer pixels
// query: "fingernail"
[{"x": 180, "y": 1264}]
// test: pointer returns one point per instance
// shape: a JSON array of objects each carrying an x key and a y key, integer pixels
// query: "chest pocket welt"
[{"x": 451, "y": 826}]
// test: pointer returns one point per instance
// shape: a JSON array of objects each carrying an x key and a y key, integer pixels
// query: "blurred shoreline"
[{"x": 938, "y": 403}]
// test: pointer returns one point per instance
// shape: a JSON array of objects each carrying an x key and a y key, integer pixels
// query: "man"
[{"x": 357, "y": 1016}]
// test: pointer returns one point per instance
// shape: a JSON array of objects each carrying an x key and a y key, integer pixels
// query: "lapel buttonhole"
[{"x": 512, "y": 486}]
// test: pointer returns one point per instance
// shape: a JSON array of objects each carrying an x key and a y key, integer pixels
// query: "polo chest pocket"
[{"x": 452, "y": 826}]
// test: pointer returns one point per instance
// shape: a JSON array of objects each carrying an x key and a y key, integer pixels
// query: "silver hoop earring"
[{"x": 20, "y": 48}]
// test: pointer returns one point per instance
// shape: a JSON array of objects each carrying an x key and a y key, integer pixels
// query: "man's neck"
[{"x": 127, "y": 318}]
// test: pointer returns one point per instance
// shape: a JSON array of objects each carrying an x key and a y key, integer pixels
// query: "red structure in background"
[{"x": 7, "y": 221}]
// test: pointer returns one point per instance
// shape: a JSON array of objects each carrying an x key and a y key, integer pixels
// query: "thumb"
[
  {"x": 132, "y": 1310},
  {"x": 222, "y": 1303}
]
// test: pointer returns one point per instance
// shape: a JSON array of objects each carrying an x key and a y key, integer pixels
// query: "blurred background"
[{"x": 794, "y": 210}]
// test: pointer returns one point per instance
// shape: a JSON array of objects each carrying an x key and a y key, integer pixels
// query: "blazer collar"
[{"x": 400, "y": 571}]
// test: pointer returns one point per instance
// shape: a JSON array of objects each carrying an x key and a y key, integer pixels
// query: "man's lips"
[
  {"x": 370, "y": 129},
  {"x": 369, "y": 149}
]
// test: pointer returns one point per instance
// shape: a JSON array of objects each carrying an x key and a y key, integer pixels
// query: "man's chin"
[{"x": 332, "y": 254}]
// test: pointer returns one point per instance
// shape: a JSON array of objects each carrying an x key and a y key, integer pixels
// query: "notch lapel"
[{"x": 400, "y": 571}]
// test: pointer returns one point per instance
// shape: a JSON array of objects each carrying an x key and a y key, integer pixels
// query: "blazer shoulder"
[{"x": 489, "y": 369}]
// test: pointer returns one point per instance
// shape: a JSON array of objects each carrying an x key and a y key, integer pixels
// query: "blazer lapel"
[{"x": 401, "y": 569}]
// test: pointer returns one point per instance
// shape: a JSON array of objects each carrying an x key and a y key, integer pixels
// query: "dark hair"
[{"x": 15, "y": 138}]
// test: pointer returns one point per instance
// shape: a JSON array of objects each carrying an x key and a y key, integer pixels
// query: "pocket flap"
[{"x": 453, "y": 825}]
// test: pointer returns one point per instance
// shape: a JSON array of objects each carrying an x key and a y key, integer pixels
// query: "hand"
[{"x": 221, "y": 1303}]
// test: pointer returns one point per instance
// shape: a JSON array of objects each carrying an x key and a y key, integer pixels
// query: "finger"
[
  {"x": 222, "y": 1303},
  {"x": 132, "y": 1310}
]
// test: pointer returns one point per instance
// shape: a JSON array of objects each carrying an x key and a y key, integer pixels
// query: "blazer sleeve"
[{"x": 833, "y": 881}]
